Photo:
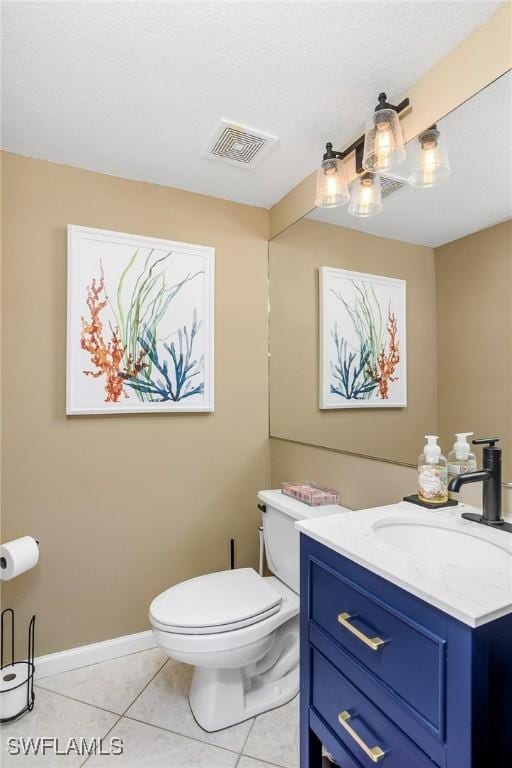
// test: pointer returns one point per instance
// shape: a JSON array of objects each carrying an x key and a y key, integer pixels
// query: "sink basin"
[
  {"x": 458, "y": 566},
  {"x": 445, "y": 545}
]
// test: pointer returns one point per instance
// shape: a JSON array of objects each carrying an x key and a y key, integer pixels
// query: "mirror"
[{"x": 452, "y": 245}]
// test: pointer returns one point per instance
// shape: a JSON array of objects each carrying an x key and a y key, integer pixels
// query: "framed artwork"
[
  {"x": 362, "y": 340},
  {"x": 140, "y": 324}
]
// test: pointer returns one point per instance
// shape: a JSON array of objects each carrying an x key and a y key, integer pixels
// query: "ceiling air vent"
[
  {"x": 389, "y": 185},
  {"x": 238, "y": 145}
]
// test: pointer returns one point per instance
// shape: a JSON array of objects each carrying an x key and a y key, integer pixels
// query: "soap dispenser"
[
  {"x": 461, "y": 458},
  {"x": 432, "y": 473}
]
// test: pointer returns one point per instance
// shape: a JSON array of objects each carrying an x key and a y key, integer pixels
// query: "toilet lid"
[{"x": 216, "y": 602}]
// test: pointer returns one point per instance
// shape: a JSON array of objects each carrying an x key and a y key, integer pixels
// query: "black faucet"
[{"x": 490, "y": 475}]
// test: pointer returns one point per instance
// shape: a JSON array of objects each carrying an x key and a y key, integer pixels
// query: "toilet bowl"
[
  {"x": 244, "y": 664},
  {"x": 238, "y": 629}
]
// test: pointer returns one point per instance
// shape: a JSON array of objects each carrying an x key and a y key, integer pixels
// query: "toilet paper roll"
[
  {"x": 14, "y": 692},
  {"x": 18, "y": 556}
]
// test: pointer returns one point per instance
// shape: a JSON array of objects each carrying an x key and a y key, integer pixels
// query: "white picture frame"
[
  {"x": 363, "y": 345},
  {"x": 140, "y": 324}
]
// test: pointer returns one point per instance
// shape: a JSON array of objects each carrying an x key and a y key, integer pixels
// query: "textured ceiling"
[
  {"x": 136, "y": 88},
  {"x": 477, "y": 195}
]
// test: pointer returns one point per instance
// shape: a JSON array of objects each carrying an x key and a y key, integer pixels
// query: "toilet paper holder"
[{"x": 16, "y": 677}]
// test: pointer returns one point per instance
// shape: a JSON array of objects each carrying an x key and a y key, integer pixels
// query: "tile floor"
[{"x": 142, "y": 699}]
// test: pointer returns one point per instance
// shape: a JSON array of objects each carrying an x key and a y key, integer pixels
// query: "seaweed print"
[
  {"x": 129, "y": 353},
  {"x": 365, "y": 370}
]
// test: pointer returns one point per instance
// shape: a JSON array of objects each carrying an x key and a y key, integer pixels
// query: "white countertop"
[{"x": 472, "y": 590}]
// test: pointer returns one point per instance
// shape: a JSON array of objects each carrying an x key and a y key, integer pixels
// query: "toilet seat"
[
  {"x": 215, "y": 603},
  {"x": 178, "y": 643}
]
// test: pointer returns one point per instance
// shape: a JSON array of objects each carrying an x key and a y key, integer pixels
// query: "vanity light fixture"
[
  {"x": 430, "y": 163},
  {"x": 380, "y": 148},
  {"x": 383, "y": 141},
  {"x": 366, "y": 196}
]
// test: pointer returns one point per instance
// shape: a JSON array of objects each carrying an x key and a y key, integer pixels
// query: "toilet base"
[{"x": 223, "y": 697}]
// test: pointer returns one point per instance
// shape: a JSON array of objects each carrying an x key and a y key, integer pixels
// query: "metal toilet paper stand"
[{"x": 19, "y": 695}]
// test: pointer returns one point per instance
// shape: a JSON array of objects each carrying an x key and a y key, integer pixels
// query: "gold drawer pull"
[
  {"x": 374, "y": 753},
  {"x": 372, "y": 642}
]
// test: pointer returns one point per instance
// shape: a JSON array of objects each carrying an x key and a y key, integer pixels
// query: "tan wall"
[
  {"x": 361, "y": 482},
  {"x": 474, "y": 290},
  {"x": 295, "y": 256},
  {"x": 124, "y": 506}
]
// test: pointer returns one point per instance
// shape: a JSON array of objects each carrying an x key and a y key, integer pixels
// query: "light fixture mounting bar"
[{"x": 403, "y": 105}]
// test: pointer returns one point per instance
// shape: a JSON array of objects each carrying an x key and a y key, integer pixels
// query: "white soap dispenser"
[
  {"x": 461, "y": 458},
  {"x": 432, "y": 473}
]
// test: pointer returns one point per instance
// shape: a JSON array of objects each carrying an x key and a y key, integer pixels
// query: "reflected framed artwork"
[
  {"x": 362, "y": 340},
  {"x": 140, "y": 324}
]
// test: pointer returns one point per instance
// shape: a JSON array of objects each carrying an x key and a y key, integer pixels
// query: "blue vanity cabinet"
[{"x": 387, "y": 679}]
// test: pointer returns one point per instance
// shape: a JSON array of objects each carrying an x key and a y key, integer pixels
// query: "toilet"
[{"x": 238, "y": 629}]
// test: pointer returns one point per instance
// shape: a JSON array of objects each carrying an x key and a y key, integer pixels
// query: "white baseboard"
[{"x": 73, "y": 658}]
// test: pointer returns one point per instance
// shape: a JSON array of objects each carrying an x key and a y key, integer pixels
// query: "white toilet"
[{"x": 240, "y": 630}]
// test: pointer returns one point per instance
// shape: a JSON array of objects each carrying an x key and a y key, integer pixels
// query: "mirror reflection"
[{"x": 335, "y": 302}]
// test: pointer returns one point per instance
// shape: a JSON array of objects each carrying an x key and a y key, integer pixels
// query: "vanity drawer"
[
  {"x": 362, "y": 729},
  {"x": 404, "y": 656}
]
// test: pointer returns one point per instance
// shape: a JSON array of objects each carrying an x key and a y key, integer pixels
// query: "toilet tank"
[{"x": 281, "y": 536}]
